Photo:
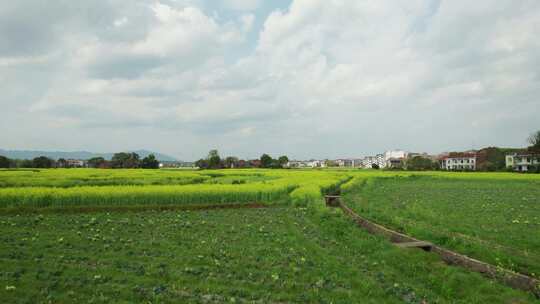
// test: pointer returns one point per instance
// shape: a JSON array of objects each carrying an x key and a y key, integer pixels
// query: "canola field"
[
  {"x": 66, "y": 188},
  {"x": 296, "y": 250}
]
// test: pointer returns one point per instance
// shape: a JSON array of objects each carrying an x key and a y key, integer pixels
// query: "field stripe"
[{"x": 136, "y": 208}]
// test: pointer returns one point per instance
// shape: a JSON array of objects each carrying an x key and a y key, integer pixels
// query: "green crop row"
[
  {"x": 231, "y": 186},
  {"x": 141, "y": 195}
]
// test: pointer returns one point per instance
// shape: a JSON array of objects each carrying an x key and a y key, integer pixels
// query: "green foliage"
[
  {"x": 202, "y": 164},
  {"x": 4, "y": 162},
  {"x": 266, "y": 161},
  {"x": 25, "y": 163},
  {"x": 491, "y": 159},
  {"x": 214, "y": 160},
  {"x": 150, "y": 162},
  {"x": 42, "y": 162},
  {"x": 125, "y": 160},
  {"x": 419, "y": 163},
  {"x": 96, "y": 162}
]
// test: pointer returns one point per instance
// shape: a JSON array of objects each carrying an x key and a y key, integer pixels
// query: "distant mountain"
[{"x": 30, "y": 154}]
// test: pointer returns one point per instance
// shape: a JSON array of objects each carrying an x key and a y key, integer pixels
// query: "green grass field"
[
  {"x": 494, "y": 220},
  {"x": 296, "y": 250}
]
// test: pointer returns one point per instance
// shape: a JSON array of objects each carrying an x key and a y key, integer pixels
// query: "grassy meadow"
[
  {"x": 491, "y": 219},
  {"x": 294, "y": 251}
]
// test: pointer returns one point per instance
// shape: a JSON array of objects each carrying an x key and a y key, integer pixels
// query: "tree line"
[
  {"x": 122, "y": 160},
  {"x": 214, "y": 161}
]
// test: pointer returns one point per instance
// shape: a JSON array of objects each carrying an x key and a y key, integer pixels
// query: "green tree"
[
  {"x": 214, "y": 160},
  {"x": 42, "y": 162},
  {"x": 202, "y": 163},
  {"x": 283, "y": 160},
  {"x": 4, "y": 162},
  {"x": 25, "y": 163},
  {"x": 125, "y": 160},
  {"x": 231, "y": 162},
  {"x": 96, "y": 162},
  {"x": 266, "y": 161},
  {"x": 150, "y": 162},
  {"x": 419, "y": 163}
]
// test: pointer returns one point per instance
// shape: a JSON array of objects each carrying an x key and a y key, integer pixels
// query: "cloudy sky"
[{"x": 306, "y": 78}]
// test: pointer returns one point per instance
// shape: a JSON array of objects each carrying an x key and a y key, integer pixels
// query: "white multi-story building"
[
  {"x": 369, "y": 161},
  {"x": 394, "y": 158},
  {"x": 317, "y": 164},
  {"x": 459, "y": 161},
  {"x": 522, "y": 161}
]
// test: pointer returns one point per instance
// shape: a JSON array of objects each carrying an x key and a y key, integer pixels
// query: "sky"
[{"x": 304, "y": 78}]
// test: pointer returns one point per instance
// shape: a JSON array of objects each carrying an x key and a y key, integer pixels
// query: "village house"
[
  {"x": 344, "y": 162},
  {"x": 75, "y": 163},
  {"x": 297, "y": 164},
  {"x": 317, "y": 164},
  {"x": 522, "y": 161},
  {"x": 459, "y": 162}
]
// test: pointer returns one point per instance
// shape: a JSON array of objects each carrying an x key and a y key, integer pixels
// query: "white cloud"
[
  {"x": 326, "y": 78},
  {"x": 242, "y": 5}
]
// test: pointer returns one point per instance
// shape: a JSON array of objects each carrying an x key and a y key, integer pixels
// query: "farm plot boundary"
[
  {"x": 135, "y": 208},
  {"x": 508, "y": 277}
]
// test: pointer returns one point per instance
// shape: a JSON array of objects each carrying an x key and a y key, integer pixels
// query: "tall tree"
[
  {"x": 150, "y": 162},
  {"x": 4, "y": 162},
  {"x": 214, "y": 161},
  {"x": 266, "y": 161},
  {"x": 283, "y": 160},
  {"x": 534, "y": 140}
]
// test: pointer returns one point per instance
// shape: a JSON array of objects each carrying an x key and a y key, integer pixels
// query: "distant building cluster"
[
  {"x": 388, "y": 159},
  {"x": 472, "y": 160}
]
